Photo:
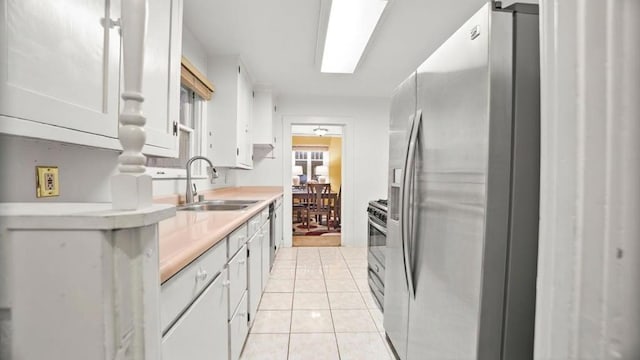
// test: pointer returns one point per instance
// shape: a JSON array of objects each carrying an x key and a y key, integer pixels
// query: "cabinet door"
[
  {"x": 266, "y": 253},
  {"x": 245, "y": 111},
  {"x": 279, "y": 226},
  {"x": 255, "y": 274},
  {"x": 237, "y": 278},
  {"x": 59, "y": 64},
  {"x": 262, "y": 121},
  {"x": 161, "y": 78},
  {"x": 238, "y": 329},
  {"x": 201, "y": 332}
]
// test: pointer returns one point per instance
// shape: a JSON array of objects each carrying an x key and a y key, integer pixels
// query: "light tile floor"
[{"x": 317, "y": 305}]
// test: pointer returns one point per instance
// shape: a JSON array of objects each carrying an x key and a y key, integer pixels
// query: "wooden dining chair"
[
  {"x": 336, "y": 210},
  {"x": 298, "y": 204},
  {"x": 318, "y": 203}
]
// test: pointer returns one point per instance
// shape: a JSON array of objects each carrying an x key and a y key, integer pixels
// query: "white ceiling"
[{"x": 276, "y": 40}]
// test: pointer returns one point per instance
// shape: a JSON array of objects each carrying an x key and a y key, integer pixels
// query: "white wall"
[
  {"x": 85, "y": 173},
  {"x": 589, "y": 252},
  {"x": 366, "y": 147},
  {"x": 193, "y": 50}
]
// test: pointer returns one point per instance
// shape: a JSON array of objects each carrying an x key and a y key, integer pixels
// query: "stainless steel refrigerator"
[{"x": 463, "y": 194}]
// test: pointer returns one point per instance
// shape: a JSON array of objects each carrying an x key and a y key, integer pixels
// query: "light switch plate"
[{"x": 47, "y": 183}]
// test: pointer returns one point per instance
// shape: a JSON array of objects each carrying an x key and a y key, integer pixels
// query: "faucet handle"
[{"x": 195, "y": 190}]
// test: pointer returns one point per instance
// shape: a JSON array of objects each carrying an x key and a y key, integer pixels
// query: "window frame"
[{"x": 310, "y": 149}]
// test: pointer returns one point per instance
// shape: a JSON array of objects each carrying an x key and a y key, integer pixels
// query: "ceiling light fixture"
[
  {"x": 320, "y": 131},
  {"x": 351, "y": 23}
]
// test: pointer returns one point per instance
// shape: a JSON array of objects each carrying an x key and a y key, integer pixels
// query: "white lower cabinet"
[
  {"x": 237, "y": 279},
  {"x": 180, "y": 290},
  {"x": 277, "y": 219},
  {"x": 265, "y": 252},
  {"x": 255, "y": 274},
  {"x": 215, "y": 324},
  {"x": 238, "y": 328},
  {"x": 201, "y": 331}
]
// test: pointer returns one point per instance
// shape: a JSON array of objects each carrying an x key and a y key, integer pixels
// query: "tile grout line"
[
  {"x": 335, "y": 335},
  {"x": 293, "y": 295},
  {"x": 324, "y": 260}
]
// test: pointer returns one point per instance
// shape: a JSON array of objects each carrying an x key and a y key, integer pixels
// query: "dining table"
[{"x": 300, "y": 194}]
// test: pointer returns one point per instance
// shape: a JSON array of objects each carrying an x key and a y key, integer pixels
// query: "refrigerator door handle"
[{"x": 406, "y": 214}]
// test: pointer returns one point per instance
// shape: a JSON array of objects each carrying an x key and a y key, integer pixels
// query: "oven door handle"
[{"x": 377, "y": 226}]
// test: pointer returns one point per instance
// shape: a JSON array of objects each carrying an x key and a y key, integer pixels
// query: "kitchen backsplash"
[{"x": 85, "y": 172}]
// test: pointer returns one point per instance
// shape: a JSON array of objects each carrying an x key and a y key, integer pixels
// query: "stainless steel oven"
[{"x": 377, "y": 241}]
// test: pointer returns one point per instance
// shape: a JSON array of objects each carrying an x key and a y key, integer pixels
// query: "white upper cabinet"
[
  {"x": 230, "y": 113},
  {"x": 263, "y": 119},
  {"x": 60, "y": 71},
  {"x": 161, "y": 80},
  {"x": 59, "y": 65}
]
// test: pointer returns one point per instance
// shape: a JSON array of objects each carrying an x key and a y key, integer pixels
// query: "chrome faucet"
[{"x": 213, "y": 174}]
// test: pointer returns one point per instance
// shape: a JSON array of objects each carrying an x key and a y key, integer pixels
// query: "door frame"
[{"x": 347, "y": 205}]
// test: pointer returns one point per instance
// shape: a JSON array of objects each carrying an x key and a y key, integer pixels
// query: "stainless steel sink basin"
[
  {"x": 229, "y": 202},
  {"x": 212, "y": 207}
]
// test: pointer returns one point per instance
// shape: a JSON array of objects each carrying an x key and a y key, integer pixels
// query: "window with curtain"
[{"x": 195, "y": 91}]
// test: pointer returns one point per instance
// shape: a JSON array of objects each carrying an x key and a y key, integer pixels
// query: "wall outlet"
[{"x": 47, "y": 183}]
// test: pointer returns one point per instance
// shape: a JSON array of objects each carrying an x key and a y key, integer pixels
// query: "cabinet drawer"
[
  {"x": 238, "y": 328},
  {"x": 237, "y": 239},
  {"x": 237, "y": 278},
  {"x": 201, "y": 332},
  {"x": 254, "y": 224},
  {"x": 180, "y": 290}
]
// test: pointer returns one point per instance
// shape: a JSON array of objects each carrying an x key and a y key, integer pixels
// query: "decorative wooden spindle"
[{"x": 131, "y": 189}]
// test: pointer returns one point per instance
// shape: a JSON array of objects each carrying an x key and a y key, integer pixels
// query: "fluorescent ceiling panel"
[{"x": 351, "y": 23}]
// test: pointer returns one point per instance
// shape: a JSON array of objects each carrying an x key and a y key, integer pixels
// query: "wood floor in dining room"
[
  {"x": 316, "y": 235},
  {"x": 317, "y": 241}
]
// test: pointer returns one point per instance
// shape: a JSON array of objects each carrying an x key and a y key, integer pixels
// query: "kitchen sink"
[
  {"x": 229, "y": 202},
  {"x": 204, "y": 206}
]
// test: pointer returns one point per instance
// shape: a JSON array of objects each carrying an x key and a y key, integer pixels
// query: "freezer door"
[
  {"x": 396, "y": 294},
  {"x": 449, "y": 195}
]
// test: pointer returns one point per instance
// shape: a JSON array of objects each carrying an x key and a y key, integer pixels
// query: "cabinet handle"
[
  {"x": 201, "y": 275},
  {"x": 115, "y": 23},
  {"x": 226, "y": 283}
]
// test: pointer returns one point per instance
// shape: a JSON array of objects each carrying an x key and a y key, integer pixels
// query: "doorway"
[{"x": 316, "y": 184}]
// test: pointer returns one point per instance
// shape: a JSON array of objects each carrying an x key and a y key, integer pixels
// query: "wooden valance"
[{"x": 192, "y": 78}]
